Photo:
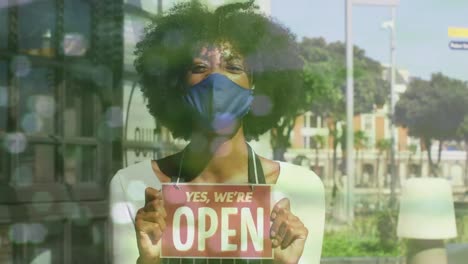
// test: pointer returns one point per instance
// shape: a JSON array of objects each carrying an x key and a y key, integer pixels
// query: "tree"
[
  {"x": 325, "y": 68},
  {"x": 319, "y": 142},
  {"x": 462, "y": 132},
  {"x": 383, "y": 146},
  {"x": 433, "y": 110},
  {"x": 360, "y": 142}
]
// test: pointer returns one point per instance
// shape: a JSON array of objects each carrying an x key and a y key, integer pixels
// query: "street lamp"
[
  {"x": 390, "y": 25},
  {"x": 350, "y": 94}
]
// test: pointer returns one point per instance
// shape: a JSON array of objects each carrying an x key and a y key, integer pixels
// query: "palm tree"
[
  {"x": 383, "y": 146},
  {"x": 412, "y": 148},
  {"x": 360, "y": 142},
  {"x": 462, "y": 132},
  {"x": 319, "y": 142}
]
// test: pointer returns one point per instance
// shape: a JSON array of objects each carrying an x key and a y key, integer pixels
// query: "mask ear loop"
[{"x": 176, "y": 184}]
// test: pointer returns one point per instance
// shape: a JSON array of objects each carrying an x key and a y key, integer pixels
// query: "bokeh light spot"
[
  {"x": 15, "y": 143},
  {"x": 114, "y": 117},
  {"x": 74, "y": 44},
  {"x": 44, "y": 106},
  {"x": 31, "y": 123},
  {"x": 21, "y": 66},
  {"x": 261, "y": 105}
]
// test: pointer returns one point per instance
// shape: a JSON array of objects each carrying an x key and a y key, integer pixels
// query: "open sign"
[{"x": 216, "y": 221}]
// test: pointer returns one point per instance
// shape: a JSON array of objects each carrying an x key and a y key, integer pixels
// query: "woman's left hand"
[{"x": 288, "y": 234}]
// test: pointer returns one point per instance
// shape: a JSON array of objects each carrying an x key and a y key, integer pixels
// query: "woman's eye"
[
  {"x": 198, "y": 68},
  {"x": 235, "y": 68}
]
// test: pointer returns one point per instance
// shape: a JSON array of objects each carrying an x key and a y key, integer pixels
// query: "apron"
[{"x": 255, "y": 176}]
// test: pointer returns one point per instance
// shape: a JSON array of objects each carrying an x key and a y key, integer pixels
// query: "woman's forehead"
[{"x": 224, "y": 50}]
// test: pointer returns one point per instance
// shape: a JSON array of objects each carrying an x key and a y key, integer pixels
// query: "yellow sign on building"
[{"x": 457, "y": 32}]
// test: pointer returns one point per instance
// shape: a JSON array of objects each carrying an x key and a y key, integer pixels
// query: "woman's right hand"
[{"x": 149, "y": 225}]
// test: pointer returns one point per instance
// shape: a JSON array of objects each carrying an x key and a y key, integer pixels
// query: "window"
[
  {"x": 36, "y": 98},
  {"x": 77, "y": 26},
  {"x": 3, "y": 28},
  {"x": 87, "y": 242},
  {"x": 3, "y": 95},
  {"x": 36, "y": 27},
  {"x": 37, "y": 242},
  {"x": 36, "y": 164},
  {"x": 80, "y": 164},
  {"x": 311, "y": 120}
]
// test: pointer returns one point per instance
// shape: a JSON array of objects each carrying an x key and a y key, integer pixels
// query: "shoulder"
[
  {"x": 299, "y": 177},
  {"x": 134, "y": 179}
]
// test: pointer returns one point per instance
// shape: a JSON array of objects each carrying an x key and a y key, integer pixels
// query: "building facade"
[{"x": 71, "y": 115}]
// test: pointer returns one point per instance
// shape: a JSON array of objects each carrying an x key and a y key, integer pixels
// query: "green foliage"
[
  {"x": 361, "y": 140},
  {"x": 462, "y": 130},
  {"x": 433, "y": 109},
  {"x": 384, "y": 145},
  {"x": 369, "y": 236},
  {"x": 325, "y": 68}
]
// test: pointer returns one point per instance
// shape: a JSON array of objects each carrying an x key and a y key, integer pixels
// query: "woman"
[{"x": 217, "y": 79}]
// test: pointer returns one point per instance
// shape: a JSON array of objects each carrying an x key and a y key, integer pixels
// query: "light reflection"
[
  {"x": 261, "y": 105},
  {"x": 21, "y": 66},
  {"x": 31, "y": 123},
  {"x": 74, "y": 44},
  {"x": 44, "y": 106},
  {"x": 15, "y": 143},
  {"x": 114, "y": 116},
  {"x": 21, "y": 233}
]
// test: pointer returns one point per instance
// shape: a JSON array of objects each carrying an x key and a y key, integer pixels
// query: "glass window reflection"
[
  {"x": 37, "y": 103},
  {"x": 36, "y": 27},
  {"x": 80, "y": 164},
  {"x": 3, "y": 28}
]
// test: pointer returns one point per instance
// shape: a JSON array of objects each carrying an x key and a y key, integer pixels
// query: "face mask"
[{"x": 219, "y": 104}]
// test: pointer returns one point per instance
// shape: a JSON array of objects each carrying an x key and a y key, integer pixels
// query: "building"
[{"x": 71, "y": 115}]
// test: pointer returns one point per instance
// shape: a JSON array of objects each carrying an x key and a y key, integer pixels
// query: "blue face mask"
[{"x": 219, "y": 104}]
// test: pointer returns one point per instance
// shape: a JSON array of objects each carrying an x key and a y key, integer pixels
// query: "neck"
[{"x": 220, "y": 159}]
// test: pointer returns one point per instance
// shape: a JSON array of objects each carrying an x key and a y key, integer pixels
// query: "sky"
[{"x": 421, "y": 31}]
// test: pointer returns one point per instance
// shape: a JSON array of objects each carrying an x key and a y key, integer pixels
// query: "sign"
[
  {"x": 216, "y": 221},
  {"x": 458, "y": 45},
  {"x": 457, "y": 32}
]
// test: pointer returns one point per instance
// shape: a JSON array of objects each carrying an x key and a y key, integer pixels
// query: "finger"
[
  {"x": 152, "y": 194},
  {"x": 288, "y": 221},
  {"x": 155, "y": 206},
  {"x": 153, "y": 230},
  {"x": 296, "y": 231},
  {"x": 154, "y": 217},
  {"x": 277, "y": 221},
  {"x": 282, "y": 204}
]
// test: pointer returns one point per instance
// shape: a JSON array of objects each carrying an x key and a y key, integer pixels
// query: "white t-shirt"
[{"x": 127, "y": 194}]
